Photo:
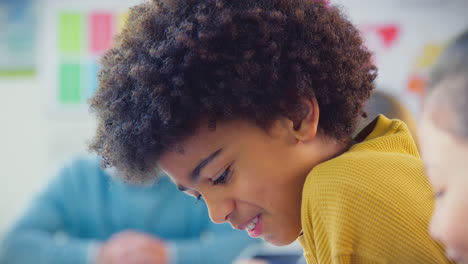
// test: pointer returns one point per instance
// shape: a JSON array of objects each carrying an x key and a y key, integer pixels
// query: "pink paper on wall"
[
  {"x": 101, "y": 31},
  {"x": 388, "y": 34}
]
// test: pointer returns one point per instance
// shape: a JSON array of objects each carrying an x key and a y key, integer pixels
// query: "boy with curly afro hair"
[{"x": 251, "y": 105}]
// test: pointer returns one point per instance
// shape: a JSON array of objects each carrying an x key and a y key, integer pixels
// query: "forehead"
[
  {"x": 204, "y": 142},
  {"x": 439, "y": 147},
  {"x": 190, "y": 150},
  {"x": 434, "y": 141},
  {"x": 444, "y": 105}
]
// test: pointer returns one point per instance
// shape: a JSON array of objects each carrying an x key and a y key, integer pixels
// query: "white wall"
[
  {"x": 37, "y": 135},
  {"x": 32, "y": 145},
  {"x": 424, "y": 28}
]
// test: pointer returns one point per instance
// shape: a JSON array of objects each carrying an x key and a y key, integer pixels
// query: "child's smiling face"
[
  {"x": 251, "y": 177},
  {"x": 246, "y": 176}
]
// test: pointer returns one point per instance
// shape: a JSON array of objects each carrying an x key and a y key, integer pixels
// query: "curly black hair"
[{"x": 180, "y": 62}]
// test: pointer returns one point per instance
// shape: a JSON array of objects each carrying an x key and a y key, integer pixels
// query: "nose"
[{"x": 219, "y": 208}]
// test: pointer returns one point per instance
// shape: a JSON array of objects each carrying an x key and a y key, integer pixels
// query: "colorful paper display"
[
  {"x": 82, "y": 38},
  {"x": 405, "y": 37},
  {"x": 71, "y": 32},
  {"x": 70, "y": 83},
  {"x": 101, "y": 30}
]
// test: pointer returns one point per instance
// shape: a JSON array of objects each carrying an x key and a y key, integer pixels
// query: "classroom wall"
[
  {"x": 406, "y": 37},
  {"x": 32, "y": 145}
]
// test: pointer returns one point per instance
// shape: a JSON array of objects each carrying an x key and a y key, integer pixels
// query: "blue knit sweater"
[{"x": 83, "y": 207}]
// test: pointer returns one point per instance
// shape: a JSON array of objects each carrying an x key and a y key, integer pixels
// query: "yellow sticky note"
[{"x": 121, "y": 21}]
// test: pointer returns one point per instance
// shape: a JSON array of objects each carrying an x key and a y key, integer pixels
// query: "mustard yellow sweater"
[{"x": 371, "y": 204}]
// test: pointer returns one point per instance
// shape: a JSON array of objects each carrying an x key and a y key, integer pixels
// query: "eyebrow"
[{"x": 195, "y": 174}]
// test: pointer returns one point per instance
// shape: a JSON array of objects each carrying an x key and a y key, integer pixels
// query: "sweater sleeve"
[
  {"x": 372, "y": 208},
  {"x": 37, "y": 237}
]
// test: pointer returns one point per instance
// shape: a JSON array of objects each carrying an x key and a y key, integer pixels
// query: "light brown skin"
[
  {"x": 132, "y": 247},
  {"x": 446, "y": 160},
  {"x": 266, "y": 171}
]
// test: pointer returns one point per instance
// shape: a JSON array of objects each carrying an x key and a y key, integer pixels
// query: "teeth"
[{"x": 252, "y": 224}]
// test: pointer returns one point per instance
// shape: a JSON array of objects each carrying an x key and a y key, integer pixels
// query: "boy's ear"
[{"x": 305, "y": 121}]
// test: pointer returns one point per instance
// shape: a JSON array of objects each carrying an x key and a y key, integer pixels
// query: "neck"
[
  {"x": 332, "y": 148},
  {"x": 323, "y": 149}
]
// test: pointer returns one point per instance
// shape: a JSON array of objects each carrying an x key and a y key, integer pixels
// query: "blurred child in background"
[
  {"x": 87, "y": 216},
  {"x": 388, "y": 105},
  {"x": 444, "y": 144}
]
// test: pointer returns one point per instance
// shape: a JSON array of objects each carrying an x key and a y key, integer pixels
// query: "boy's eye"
[{"x": 223, "y": 177}]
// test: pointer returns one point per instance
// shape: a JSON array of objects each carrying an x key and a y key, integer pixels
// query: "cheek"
[
  {"x": 437, "y": 221},
  {"x": 250, "y": 187},
  {"x": 448, "y": 223},
  {"x": 263, "y": 180},
  {"x": 254, "y": 185}
]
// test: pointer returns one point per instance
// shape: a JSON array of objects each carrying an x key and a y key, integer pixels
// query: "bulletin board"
[{"x": 74, "y": 36}]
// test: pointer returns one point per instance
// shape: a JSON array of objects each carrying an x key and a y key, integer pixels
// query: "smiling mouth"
[
  {"x": 253, "y": 227},
  {"x": 248, "y": 225}
]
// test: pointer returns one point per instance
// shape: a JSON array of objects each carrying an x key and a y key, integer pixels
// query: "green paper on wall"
[{"x": 69, "y": 83}]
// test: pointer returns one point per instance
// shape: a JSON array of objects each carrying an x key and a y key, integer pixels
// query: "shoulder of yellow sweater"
[
  {"x": 385, "y": 135},
  {"x": 358, "y": 170}
]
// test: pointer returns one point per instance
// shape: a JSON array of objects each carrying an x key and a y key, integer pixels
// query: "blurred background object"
[
  {"x": 44, "y": 116},
  {"x": 49, "y": 52},
  {"x": 88, "y": 215},
  {"x": 74, "y": 36},
  {"x": 407, "y": 37},
  {"x": 17, "y": 38},
  {"x": 265, "y": 253},
  {"x": 383, "y": 103}
]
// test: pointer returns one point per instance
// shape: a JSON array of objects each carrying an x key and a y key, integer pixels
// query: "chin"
[{"x": 279, "y": 241}]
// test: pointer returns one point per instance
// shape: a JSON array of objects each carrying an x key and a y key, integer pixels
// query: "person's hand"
[{"x": 130, "y": 247}]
